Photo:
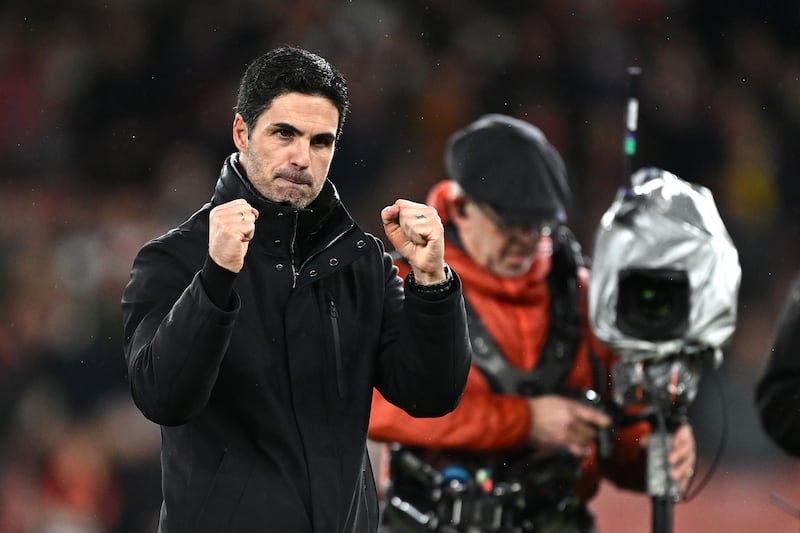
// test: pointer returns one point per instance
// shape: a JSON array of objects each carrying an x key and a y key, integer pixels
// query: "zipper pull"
[{"x": 337, "y": 348}]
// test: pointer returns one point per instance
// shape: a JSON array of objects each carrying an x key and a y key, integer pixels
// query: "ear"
[
  {"x": 458, "y": 212},
  {"x": 240, "y": 133}
]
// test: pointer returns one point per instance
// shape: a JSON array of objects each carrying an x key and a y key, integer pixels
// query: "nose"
[{"x": 301, "y": 153}]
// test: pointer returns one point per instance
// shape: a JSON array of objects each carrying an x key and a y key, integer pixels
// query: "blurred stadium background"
[{"x": 115, "y": 118}]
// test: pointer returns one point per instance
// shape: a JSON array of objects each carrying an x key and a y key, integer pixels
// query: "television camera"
[{"x": 665, "y": 282}]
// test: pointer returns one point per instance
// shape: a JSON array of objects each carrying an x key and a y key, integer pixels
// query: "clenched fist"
[
  {"x": 231, "y": 227},
  {"x": 416, "y": 232}
]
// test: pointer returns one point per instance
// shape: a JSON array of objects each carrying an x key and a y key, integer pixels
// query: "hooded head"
[{"x": 508, "y": 164}]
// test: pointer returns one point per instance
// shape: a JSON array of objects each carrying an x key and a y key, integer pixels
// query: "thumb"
[{"x": 389, "y": 214}]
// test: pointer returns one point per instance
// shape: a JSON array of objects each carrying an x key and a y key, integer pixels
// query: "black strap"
[{"x": 563, "y": 339}]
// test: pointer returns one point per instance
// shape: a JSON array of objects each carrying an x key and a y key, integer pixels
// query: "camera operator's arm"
[
  {"x": 482, "y": 421},
  {"x": 626, "y": 466},
  {"x": 557, "y": 421}
]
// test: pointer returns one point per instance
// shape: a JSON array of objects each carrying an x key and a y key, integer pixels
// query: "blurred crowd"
[{"x": 115, "y": 118}]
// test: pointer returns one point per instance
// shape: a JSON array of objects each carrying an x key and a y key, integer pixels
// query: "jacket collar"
[{"x": 324, "y": 217}]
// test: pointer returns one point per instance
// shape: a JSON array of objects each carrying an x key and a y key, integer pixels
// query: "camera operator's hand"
[
  {"x": 557, "y": 421},
  {"x": 683, "y": 457}
]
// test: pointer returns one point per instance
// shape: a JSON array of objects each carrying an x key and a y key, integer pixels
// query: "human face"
[
  {"x": 288, "y": 153},
  {"x": 502, "y": 250}
]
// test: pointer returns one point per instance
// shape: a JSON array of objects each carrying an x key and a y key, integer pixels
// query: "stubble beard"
[
  {"x": 301, "y": 192},
  {"x": 295, "y": 187}
]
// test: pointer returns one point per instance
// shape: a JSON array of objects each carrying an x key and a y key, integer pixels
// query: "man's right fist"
[{"x": 231, "y": 227}]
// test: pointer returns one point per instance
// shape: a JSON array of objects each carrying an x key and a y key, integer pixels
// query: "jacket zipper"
[
  {"x": 296, "y": 272},
  {"x": 337, "y": 348}
]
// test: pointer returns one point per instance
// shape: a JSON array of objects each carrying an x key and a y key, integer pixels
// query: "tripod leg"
[{"x": 662, "y": 514}]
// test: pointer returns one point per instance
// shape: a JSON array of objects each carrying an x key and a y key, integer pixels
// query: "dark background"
[{"x": 115, "y": 118}]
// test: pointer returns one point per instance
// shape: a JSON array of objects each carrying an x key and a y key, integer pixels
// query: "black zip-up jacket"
[{"x": 264, "y": 402}]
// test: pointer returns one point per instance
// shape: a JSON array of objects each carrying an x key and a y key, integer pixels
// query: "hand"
[
  {"x": 683, "y": 457},
  {"x": 416, "y": 232},
  {"x": 557, "y": 421},
  {"x": 231, "y": 227}
]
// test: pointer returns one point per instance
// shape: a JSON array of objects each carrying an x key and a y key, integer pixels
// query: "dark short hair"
[{"x": 289, "y": 69}]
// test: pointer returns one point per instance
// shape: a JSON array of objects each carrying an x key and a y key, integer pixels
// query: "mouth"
[
  {"x": 520, "y": 257},
  {"x": 295, "y": 177}
]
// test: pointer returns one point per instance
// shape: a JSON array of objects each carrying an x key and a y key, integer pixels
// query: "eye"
[
  {"x": 322, "y": 141},
  {"x": 285, "y": 133}
]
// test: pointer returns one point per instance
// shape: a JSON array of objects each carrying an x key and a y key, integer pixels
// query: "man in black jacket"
[{"x": 256, "y": 330}]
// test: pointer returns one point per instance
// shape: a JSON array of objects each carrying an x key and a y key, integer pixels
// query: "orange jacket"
[{"x": 515, "y": 313}]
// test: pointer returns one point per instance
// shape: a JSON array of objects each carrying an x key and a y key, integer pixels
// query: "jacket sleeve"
[
  {"x": 174, "y": 336},
  {"x": 425, "y": 352},
  {"x": 778, "y": 389},
  {"x": 626, "y": 465},
  {"x": 483, "y": 421}
]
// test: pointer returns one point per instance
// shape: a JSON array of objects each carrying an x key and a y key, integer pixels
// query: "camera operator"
[{"x": 532, "y": 436}]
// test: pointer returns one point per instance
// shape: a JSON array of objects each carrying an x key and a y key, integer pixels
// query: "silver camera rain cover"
[{"x": 665, "y": 273}]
